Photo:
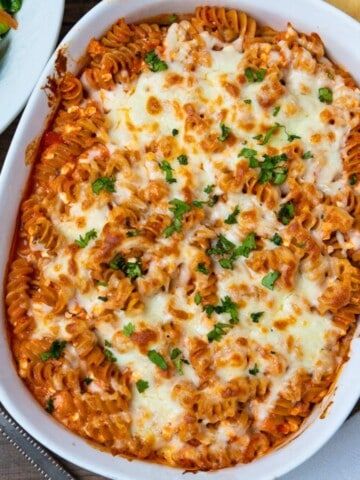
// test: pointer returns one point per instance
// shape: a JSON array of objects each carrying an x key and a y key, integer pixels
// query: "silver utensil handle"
[{"x": 31, "y": 449}]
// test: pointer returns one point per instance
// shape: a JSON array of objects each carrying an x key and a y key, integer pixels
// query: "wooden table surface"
[{"x": 13, "y": 465}]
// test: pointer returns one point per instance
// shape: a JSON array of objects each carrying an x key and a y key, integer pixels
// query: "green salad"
[{"x": 7, "y": 10}]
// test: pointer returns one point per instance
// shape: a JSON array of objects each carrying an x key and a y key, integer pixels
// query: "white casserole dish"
[{"x": 340, "y": 34}]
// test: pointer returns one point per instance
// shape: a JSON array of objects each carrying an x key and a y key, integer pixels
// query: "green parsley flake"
[
  {"x": 248, "y": 101},
  {"x": 101, "y": 283},
  {"x": 197, "y": 298},
  {"x": 109, "y": 355},
  {"x": 107, "y": 343},
  {"x": 226, "y": 306},
  {"x": 276, "y": 239},
  {"x": 177, "y": 360},
  {"x": 133, "y": 233},
  {"x": 256, "y": 316},
  {"x": 103, "y": 183},
  {"x": 50, "y": 405},
  {"x": 218, "y": 332},
  {"x": 88, "y": 380},
  {"x": 286, "y": 213},
  {"x": 202, "y": 268},
  {"x": 103, "y": 299},
  {"x": 255, "y": 370},
  {"x": 269, "y": 133},
  {"x": 272, "y": 169},
  {"x": 231, "y": 219},
  {"x": 154, "y": 62},
  {"x": 131, "y": 269},
  {"x": 254, "y": 75},
  {"x": 225, "y": 132},
  {"x": 352, "y": 179},
  {"x": 84, "y": 240},
  {"x": 276, "y": 111},
  {"x": 129, "y": 329},
  {"x": 325, "y": 95},
  {"x": 175, "y": 132},
  {"x": 183, "y": 159},
  {"x": 55, "y": 351},
  {"x": 157, "y": 359},
  {"x": 142, "y": 385},
  {"x": 269, "y": 280},
  {"x": 167, "y": 168},
  {"x": 225, "y": 247},
  {"x": 178, "y": 208},
  {"x": 307, "y": 155},
  {"x": 172, "y": 19},
  {"x": 209, "y": 189}
]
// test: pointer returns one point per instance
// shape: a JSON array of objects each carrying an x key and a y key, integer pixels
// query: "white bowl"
[
  {"x": 24, "y": 53},
  {"x": 340, "y": 34}
]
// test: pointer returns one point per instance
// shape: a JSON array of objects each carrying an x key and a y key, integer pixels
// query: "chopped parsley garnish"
[
  {"x": 256, "y": 316},
  {"x": 225, "y": 247},
  {"x": 247, "y": 153},
  {"x": 218, "y": 332},
  {"x": 209, "y": 189},
  {"x": 103, "y": 299},
  {"x": 54, "y": 351},
  {"x": 158, "y": 359},
  {"x": 129, "y": 329},
  {"x": 254, "y": 75},
  {"x": 142, "y": 385},
  {"x": 325, "y": 95},
  {"x": 307, "y": 155},
  {"x": 247, "y": 245},
  {"x": 131, "y": 269},
  {"x": 172, "y": 19},
  {"x": 286, "y": 213},
  {"x": 167, "y": 168},
  {"x": 226, "y": 306},
  {"x": 101, "y": 283},
  {"x": 248, "y": 101},
  {"x": 179, "y": 208},
  {"x": 202, "y": 268},
  {"x": 258, "y": 137},
  {"x": 269, "y": 280},
  {"x": 103, "y": 183},
  {"x": 276, "y": 239},
  {"x": 154, "y": 62},
  {"x": 183, "y": 159},
  {"x": 225, "y": 132},
  {"x": 276, "y": 111},
  {"x": 231, "y": 219},
  {"x": 197, "y": 298},
  {"x": 84, "y": 240},
  {"x": 352, "y": 179},
  {"x": 109, "y": 355},
  {"x": 177, "y": 360},
  {"x": 213, "y": 200},
  {"x": 272, "y": 169},
  {"x": 270, "y": 131},
  {"x": 50, "y": 405},
  {"x": 87, "y": 380},
  {"x": 133, "y": 233},
  {"x": 107, "y": 343},
  {"x": 255, "y": 370},
  {"x": 175, "y": 132}
]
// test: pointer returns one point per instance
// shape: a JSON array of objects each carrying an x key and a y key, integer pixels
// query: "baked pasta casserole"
[{"x": 185, "y": 276}]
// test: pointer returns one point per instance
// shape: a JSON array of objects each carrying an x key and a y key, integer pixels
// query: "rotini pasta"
[{"x": 185, "y": 278}]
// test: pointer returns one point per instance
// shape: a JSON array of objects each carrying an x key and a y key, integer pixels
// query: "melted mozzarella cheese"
[{"x": 133, "y": 126}]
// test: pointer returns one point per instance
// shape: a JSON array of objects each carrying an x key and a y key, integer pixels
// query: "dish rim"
[{"x": 299, "y": 448}]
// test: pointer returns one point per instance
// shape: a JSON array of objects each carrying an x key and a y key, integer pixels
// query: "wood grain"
[{"x": 13, "y": 465}]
